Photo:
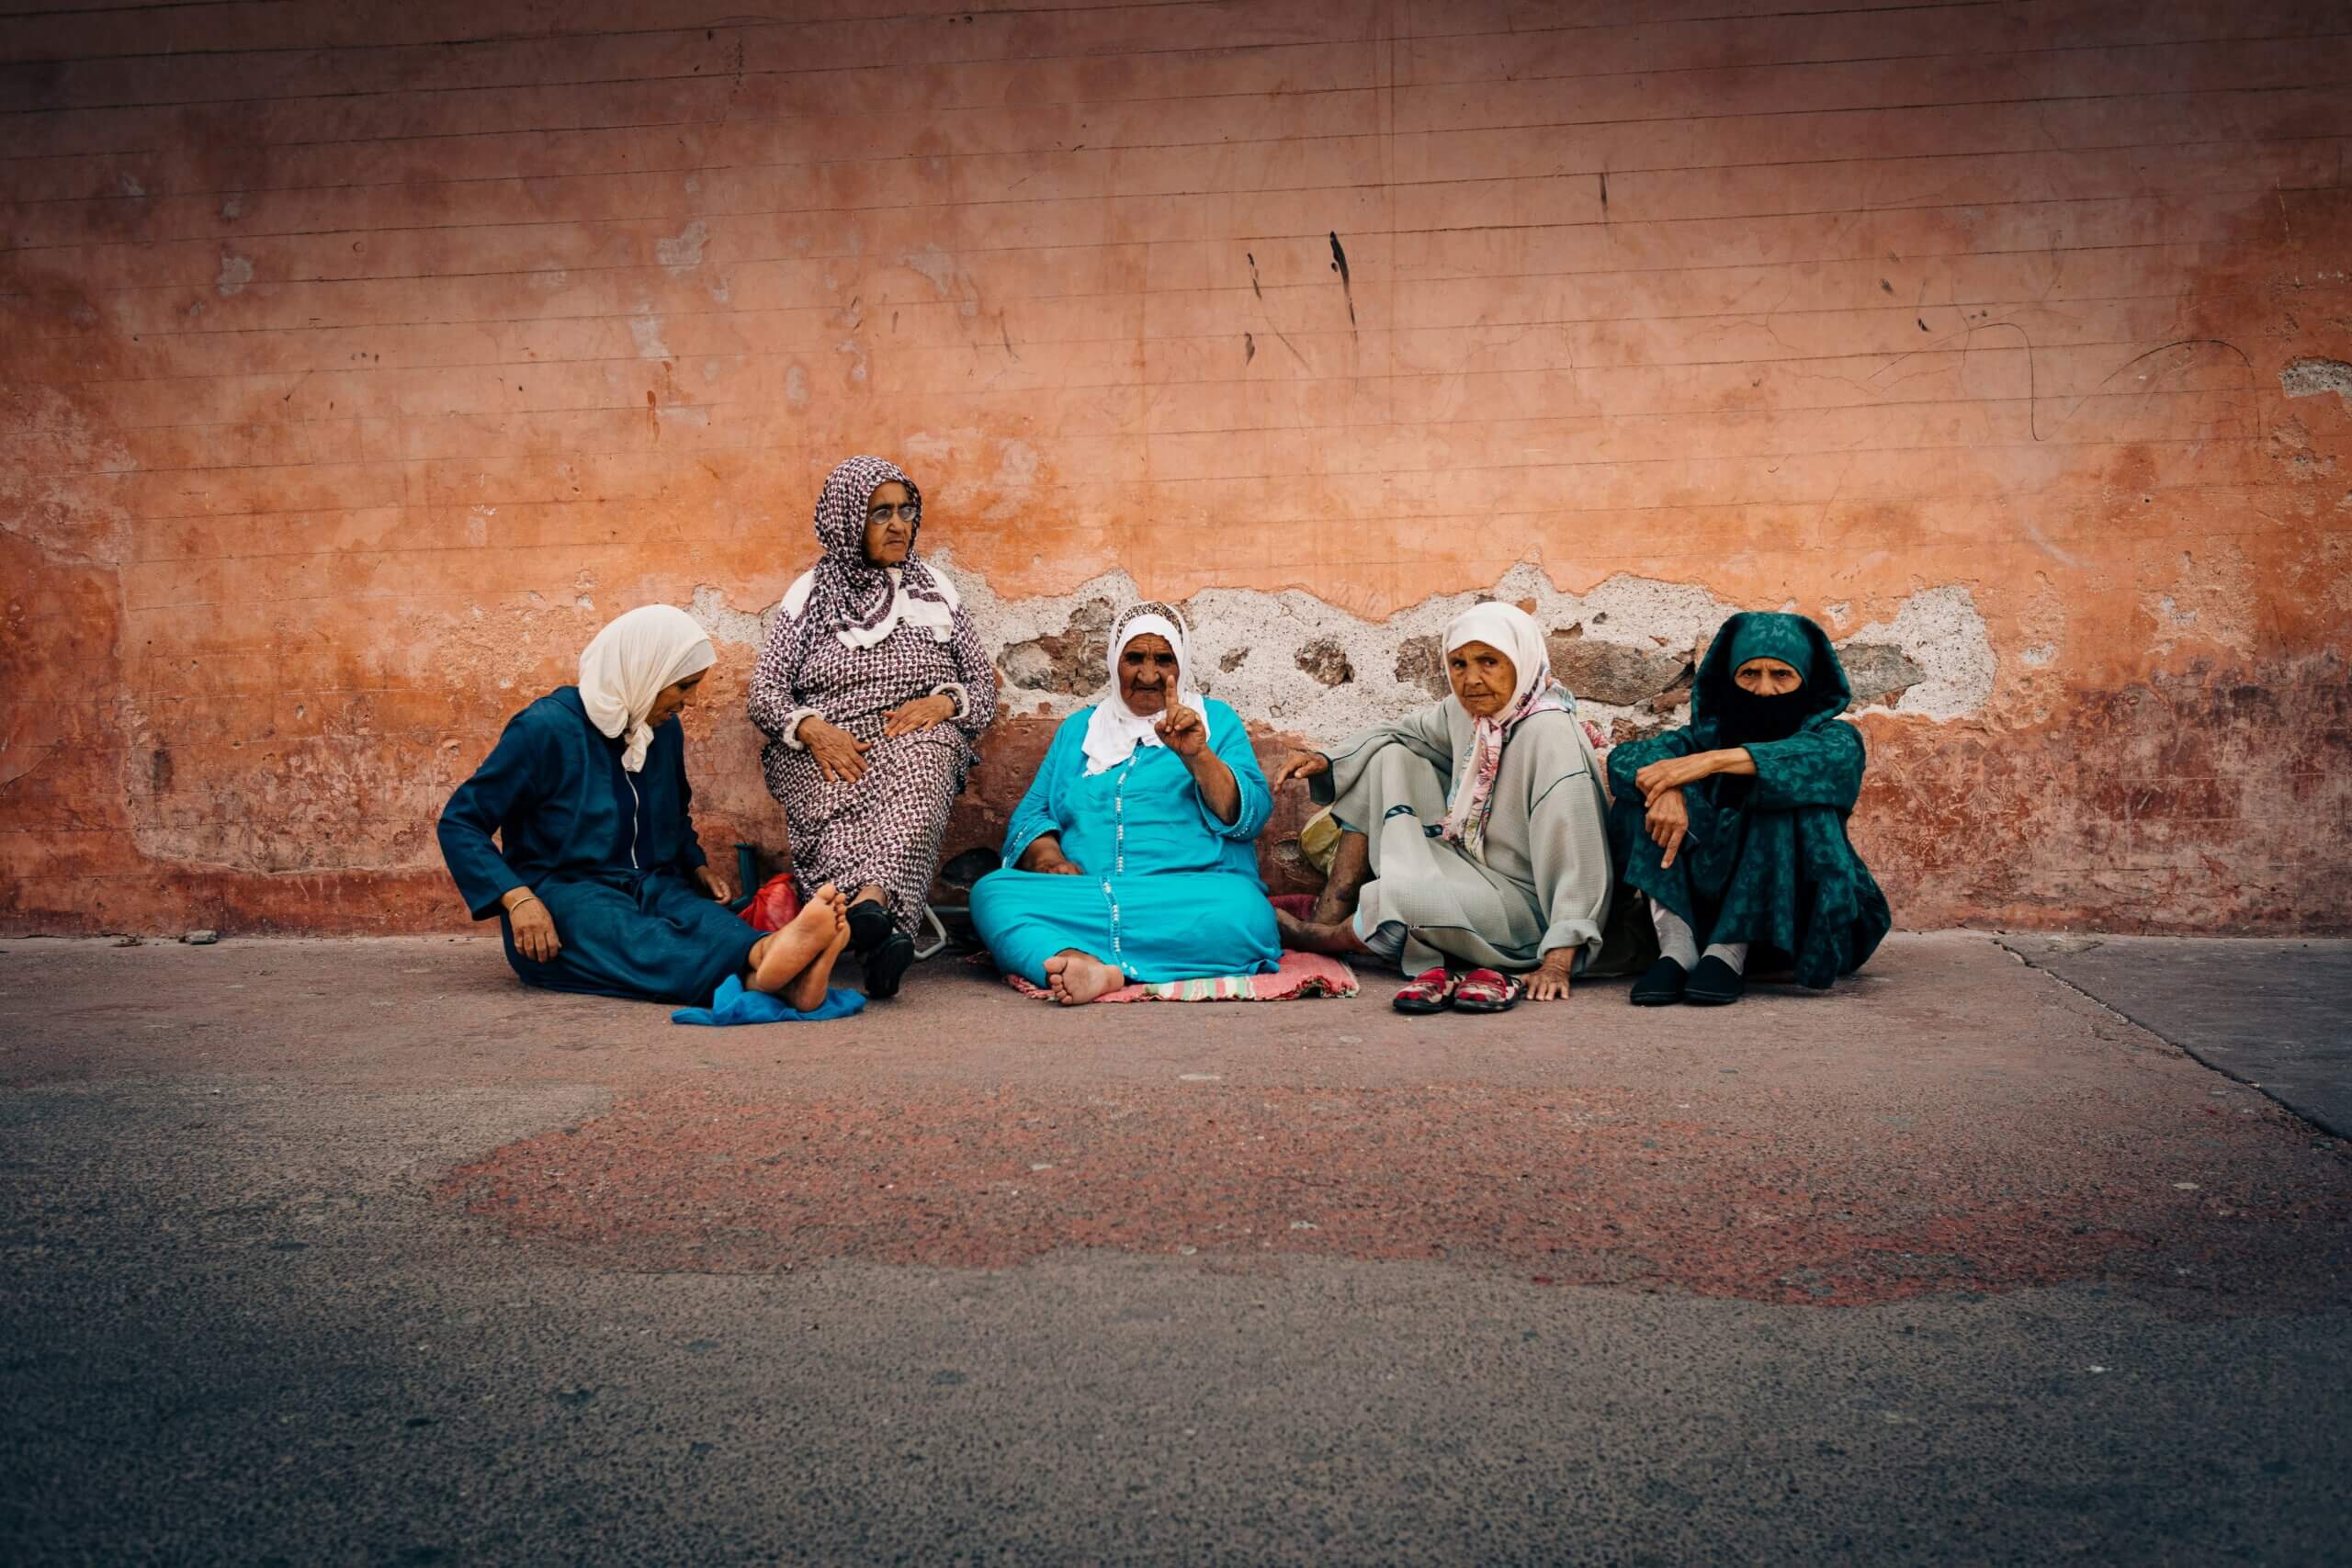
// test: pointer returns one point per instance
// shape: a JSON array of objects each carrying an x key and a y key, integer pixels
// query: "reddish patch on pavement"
[{"x": 1562, "y": 1188}]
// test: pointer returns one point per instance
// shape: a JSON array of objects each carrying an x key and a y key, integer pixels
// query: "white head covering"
[
  {"x": 625, "y": 666},
  {"x": 1115, "y": 731},
  {"x": 1512, "y": 632}
]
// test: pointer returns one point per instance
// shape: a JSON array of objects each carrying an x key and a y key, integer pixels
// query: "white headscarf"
[
  {"x": 1115, "y": 731},
  {"x": 1512, "y": 632},
  {"x": 625, "y": 666}
]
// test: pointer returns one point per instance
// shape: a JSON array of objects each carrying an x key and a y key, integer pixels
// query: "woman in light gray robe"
[{"x": 1474, "y": 832}]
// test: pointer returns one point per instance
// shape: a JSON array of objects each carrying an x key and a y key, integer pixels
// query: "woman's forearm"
[
  {"x": 1220, "y": 791},
  {"x": 1733, "y": 760}
]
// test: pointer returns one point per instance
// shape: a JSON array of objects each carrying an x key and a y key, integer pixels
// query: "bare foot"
[
  {"x": 806, "y": 993},
  {"x": 1077, "y": 979},
  {"x": 788, "y": 952},
  {"x": 1305, "y": 936}
]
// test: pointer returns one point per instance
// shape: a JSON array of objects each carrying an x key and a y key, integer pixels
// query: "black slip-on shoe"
[
  {"x": 1713, "y": 984},
  {"x": 869, "y": 927},
  {"x": 890, "y": 964},
  {"x": 1660, "y": 984}
]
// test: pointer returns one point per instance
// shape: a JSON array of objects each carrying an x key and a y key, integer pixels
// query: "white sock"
[
  {"x": 1675, "y": 940},
  {"x": 1732, "y": 952}
]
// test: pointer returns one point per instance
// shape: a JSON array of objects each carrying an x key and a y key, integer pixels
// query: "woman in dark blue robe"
[{"x": 597, "y": 876}]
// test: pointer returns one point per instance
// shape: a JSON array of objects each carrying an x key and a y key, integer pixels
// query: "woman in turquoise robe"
[
  {"x": 1734, "y": 826},
  {"x": 1123, "y": 865},
  {"x": 595, "y": 875}
]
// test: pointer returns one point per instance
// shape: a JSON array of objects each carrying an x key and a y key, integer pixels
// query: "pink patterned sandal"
[
  {"x": 1489, "y": 990},
  {"x": 1430, "y": 991}
]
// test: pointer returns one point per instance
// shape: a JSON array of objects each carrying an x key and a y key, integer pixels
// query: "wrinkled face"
[
  {"x": 1147, "y": 673},
  {"x": 1768, "y": 677},
  {"x": 673, "y": 697},
  {"x": 1482, "y": 677},
  {"x": 889, "y": 524}
]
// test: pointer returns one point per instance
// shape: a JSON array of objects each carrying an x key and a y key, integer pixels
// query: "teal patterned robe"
[{"x": 1767, "y": 862}]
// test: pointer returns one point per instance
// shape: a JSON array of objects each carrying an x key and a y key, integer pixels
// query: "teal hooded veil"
[{"x": 1767, "y": 862}]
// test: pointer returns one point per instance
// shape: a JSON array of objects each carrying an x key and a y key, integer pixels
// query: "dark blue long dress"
[{"x": 610, "y": 853}]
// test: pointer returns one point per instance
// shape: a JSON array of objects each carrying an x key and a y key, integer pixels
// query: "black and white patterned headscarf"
[{"x": 860, "y": 602}]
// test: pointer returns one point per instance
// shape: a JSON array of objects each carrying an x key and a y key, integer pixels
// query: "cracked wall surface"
[{"x": 351, "y": 386}]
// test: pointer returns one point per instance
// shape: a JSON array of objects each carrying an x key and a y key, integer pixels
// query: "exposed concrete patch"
[
  {"x": 236, "y": 271},
  {"x": 2314, "y": 378},
  {"x": 1636, "y": 639},
  {"x": 681, "y": 254},
  {"x": 724, "y": 621},
  {"x": 1940, "y": 631}
]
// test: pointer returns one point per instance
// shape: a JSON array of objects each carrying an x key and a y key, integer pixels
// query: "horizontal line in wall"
[
  {"x": 231, "y": 238},
  {"x": 1795, "y": 413},
  {"x": 762, "y": 24},
  {"x": 1252, "y": 239},
  {"x": 1293, "y": 477},
  {"x": 719, "y": 79}
]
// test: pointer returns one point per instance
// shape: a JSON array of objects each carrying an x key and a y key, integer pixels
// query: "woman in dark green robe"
[
  {"x": 597, "y": 876},
  {"x": 1734, "y": 826}
]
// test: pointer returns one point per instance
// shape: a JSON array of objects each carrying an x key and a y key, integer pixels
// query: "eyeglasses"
[{"x": 907, "y": 510}]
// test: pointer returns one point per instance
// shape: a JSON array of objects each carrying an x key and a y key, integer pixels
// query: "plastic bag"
[{"x": 773, "y": 907}]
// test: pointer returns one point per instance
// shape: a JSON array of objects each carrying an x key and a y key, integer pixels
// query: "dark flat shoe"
[
  {"x": 890, "y": 964},
  {"x": 1713, "y": 984},
  {"x": 869, "y": 927},
  {"x": 1660, "y": 984}
]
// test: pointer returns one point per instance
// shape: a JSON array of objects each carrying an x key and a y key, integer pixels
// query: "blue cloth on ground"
[{"x": 734, "y": 1004}]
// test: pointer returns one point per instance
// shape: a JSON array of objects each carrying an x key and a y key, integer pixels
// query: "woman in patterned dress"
[{"x": 871, "y": 689}]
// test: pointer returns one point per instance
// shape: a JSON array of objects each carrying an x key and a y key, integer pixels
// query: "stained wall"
[{"x": 362, "y": 359}]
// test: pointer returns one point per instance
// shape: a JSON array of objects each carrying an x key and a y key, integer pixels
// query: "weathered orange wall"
[{"x": 362, "y": 358}]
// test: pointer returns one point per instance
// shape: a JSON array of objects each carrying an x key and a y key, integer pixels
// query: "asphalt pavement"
[{"x": 344, "y": 1251}]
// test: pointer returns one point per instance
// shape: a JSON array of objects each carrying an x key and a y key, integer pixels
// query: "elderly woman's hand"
[
  {"x": 1550, "y": 981},
  {"x": 1182, "y": 732},
  {"x": 1667, "y": 822},
  {"x": 841, "y": 756},
  {"x": 923, "y": 713},
  {"x": 533, "y": 927},
  {"x": 1299, "y": 765},
  {"x": 1044, "y": 857}
]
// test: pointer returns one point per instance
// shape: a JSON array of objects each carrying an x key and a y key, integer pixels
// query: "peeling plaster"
[
  {"x": 2315, "y": 377},
  {"x": 1937, "y": 629},
  {"x": 236, "y": 271},
  {"x": 724, "y": 621}
]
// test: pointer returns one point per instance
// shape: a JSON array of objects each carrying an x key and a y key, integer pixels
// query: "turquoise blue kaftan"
[{"x": 1170, "y": 893}]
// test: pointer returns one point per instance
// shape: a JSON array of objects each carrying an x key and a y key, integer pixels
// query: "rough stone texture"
[
  {"x": 1611, "y": 672},
  {"x": 1324, "y": 658},
  {"x": 347, "y": 396},
  {"x": 1071, "y": 662},
  {"x": 2310, "y": 378},
  {"x": 1420, "y": 666},
  {"x": 1878, "y": 671}
]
